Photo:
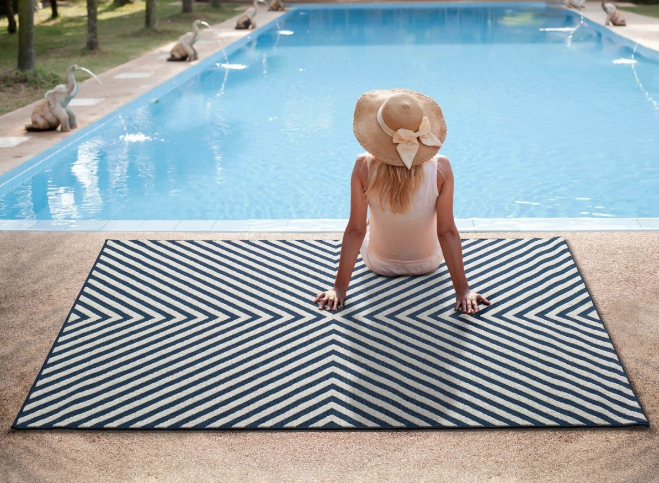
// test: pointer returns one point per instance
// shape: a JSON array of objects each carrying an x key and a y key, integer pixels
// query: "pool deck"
[
  {"x": 124, "y": 83},
  {"x": 43, "y": 271},
  {"x": 327, "y": 225},
  {"x": 36, "y": 294},
  {"x": 641, "y": 29}
]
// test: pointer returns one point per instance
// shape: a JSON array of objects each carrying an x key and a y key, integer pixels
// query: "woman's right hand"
[{"x": 331, "y": 299}]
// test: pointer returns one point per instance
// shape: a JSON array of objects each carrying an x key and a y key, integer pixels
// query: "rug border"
[
  {"x": 14, "y": 425},
  {"x": 105, "y": 243},
  {"x": 606, "y": 329}
]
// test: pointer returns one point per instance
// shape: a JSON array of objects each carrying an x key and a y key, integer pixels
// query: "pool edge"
[{"x": 323, "y": 225}]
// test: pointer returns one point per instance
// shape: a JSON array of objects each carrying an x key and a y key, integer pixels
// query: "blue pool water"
[{"x": 543, "y": 121}]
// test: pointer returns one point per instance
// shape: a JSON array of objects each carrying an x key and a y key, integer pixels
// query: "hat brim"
[{"x": 378, "y": 143}]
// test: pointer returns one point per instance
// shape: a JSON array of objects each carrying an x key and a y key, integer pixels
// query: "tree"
[
  {"x": 92, "y": 28},
  {"x": 11, "y": 19},
  {"x": 26, "y": 35},
  {"x": 150, "y": 19},
  {"x": 187, "y": 6},
  {"x": 53, "y": 9}
]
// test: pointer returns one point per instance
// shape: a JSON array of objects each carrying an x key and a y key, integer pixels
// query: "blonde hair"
[{"x": 395, "y": 184}]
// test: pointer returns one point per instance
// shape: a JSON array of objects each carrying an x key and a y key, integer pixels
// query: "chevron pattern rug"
[{"x": 225, "y": 334}]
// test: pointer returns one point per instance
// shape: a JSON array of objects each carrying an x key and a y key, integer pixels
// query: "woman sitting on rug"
[{"x": 409, "y": 190}]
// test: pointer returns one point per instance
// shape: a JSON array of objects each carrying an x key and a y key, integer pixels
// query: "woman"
[{"x": 409, "y": 191}]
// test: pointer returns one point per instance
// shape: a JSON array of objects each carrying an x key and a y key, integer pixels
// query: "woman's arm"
[
  {"x": 352, "y": 240},
  {"x": 449, "y": 240}
]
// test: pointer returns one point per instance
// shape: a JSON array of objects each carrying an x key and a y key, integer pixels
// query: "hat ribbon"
[{"x": 408, "y": 141}]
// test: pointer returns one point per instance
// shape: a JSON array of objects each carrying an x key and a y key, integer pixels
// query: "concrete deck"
[
  {"x": 42, "y": 273},
  {"x": 640, "y": 28}
]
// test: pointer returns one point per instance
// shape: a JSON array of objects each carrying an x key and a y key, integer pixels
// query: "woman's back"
[{"x": 410, "y": 237}]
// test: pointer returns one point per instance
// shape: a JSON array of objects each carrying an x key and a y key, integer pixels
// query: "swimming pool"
[{"x": 548, "y": 116}]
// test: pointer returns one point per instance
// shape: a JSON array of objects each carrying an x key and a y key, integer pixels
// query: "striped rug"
[{"x": 225, "y": 334}]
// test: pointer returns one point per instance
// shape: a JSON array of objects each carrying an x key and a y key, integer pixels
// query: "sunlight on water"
[
  {"x": 136, "y": 138},
  {"x": 233, "y": 66},
  {"x": 624, "y": 61}
]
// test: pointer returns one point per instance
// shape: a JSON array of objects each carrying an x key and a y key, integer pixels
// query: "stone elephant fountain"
[{"x": 54, "y": 110}]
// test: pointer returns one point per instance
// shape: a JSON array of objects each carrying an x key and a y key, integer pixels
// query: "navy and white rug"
[{"x": 225, "y": 334}]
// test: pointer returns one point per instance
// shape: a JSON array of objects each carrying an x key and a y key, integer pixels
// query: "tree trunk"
[
  {"x": 53, "y": 9},
  {"x": 187, "y": 6},
  {"x": 92, "y": 28},
  {"x": 150, "y": 19},
  {"x": 215, "y": 3},
  {"x": 26, "y": 35},
  {"x": 11, "y": 19}
]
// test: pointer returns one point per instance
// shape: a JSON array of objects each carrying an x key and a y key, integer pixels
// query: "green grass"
[
  {"x": 61, "y": 42},
  {"x": 649, "y": 9}
]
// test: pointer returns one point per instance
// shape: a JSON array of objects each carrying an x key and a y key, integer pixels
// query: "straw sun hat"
[{"x": 399, "y": 126}]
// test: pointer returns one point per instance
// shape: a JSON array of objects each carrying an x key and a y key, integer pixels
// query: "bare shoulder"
[
  {"x": 444, "y": 172},
  {"x": 361, "y": 167}
]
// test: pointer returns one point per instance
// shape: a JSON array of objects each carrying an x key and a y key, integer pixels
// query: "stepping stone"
[
  {"x": 85, "y": 101},
  {"x": 134, "y": 75},
  {"x": 11, "y": 141}
]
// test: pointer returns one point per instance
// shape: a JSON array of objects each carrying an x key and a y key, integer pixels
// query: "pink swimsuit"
[{"x": 405, "y": 243}]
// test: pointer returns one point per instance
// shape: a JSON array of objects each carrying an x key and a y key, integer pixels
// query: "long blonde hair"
[{"x": 394, "y": 184}]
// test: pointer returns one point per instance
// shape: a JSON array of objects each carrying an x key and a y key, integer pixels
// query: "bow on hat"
[{"x": 408, "y": 141}]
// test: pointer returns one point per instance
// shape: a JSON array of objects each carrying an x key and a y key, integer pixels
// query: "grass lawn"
[
  {"x": 61, "y": 42},
  {"x": 651, "y": 10}
]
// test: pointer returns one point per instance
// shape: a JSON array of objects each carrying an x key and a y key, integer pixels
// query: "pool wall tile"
[
  {"x": 267, "y": 225},
  {"x": 52, "y": 225},
  {"x": 495, "y": 224},
  {"x": 231, "y": 225},
  {"x": 18, "y": 224},
  {"x": 303, "y": 225},
  {"x": 337, "y": 224},
  {"x": 548, "y": 224},
  {"x": 195, "y": 225},
  {"x": 464, "y": 224},
  {"x": 159, "y": 225},
  {"x": 123, "y": 225},
  {"x": 87, "y": 225},
  {"x": 649, "y": 223},
  {"x": 597, "y": 224}
]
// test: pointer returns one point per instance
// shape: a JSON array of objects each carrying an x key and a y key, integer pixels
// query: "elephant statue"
[
  {"x": 578, "y": 4},
  {"x": 246, "y": 20},
  {"x": 612, "y": 15},
  {"x": 276, "y": 5},
  {"x": 184, "y": 50},
  {"x": 54, "y": 109}
]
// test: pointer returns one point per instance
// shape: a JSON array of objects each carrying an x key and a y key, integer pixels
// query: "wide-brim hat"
[{"x": 402, "y": 112}]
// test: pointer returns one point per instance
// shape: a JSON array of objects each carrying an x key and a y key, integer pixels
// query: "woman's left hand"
[
  {"x": 467, "y": 301},
  {"x": 331, "y": 299}
]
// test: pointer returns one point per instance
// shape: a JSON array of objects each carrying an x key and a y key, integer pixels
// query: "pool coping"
[{"x": 327, "y": 225}]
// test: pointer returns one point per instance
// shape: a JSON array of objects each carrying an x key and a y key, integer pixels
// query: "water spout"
[{"x": 107, "y": 95}]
